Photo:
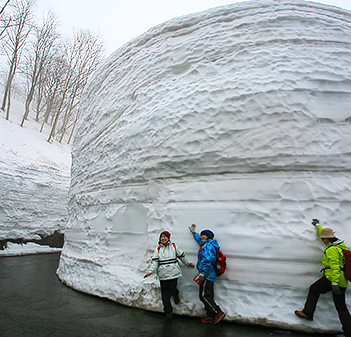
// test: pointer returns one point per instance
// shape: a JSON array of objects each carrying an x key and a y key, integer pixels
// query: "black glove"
[
  {"x": 315, "y": 222},
  {"x": 336, "y": 289}
]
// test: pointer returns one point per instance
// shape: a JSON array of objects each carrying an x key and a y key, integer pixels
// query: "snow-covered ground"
[
  {"x": 236, "y": 119},
  {"x": 34, "y": 180},
  {"x": 30, "y": 248}
]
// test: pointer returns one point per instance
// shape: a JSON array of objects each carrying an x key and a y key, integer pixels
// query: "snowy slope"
[
  {"x": 236, "y": 119},
  {"x": 34, "y": 179}
]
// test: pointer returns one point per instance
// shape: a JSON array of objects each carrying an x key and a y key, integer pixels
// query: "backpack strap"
[{"x": 173, "y": 244}]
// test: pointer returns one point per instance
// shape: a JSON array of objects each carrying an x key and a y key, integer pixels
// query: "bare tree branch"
[
  {"x": 84, "y": 52},
  {"x": 45, "y": 38},
  {"x": 16, "y": 37}
]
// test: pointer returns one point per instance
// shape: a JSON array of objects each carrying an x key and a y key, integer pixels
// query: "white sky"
[{"x": 119, "y": 21}]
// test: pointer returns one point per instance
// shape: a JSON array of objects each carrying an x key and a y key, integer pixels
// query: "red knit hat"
[{"x": 168, "y": 234}]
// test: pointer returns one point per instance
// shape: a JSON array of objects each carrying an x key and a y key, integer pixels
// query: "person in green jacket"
[{"x": 333, "y": 279}]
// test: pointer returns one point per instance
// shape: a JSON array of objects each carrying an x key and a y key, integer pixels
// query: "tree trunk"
[
  {"x": 47, "y": 113},
  {"x": 28, "y": 101},
  {"x": 38, "y": 106},
  {"x": 8, "y": 87},
  {"x": 60, "y": 106},
  {"x": 53, "y": 129},
  {"x": 73, "y": 128},
  {"x": 8, "y": 105}
]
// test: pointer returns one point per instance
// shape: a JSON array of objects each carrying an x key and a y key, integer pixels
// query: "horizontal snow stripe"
[{"x": 168, "y": 261}]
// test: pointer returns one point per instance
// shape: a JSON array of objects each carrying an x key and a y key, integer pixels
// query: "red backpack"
[
  {"x": 220, "y": 264},
  {"x": 347, "y": 264}
]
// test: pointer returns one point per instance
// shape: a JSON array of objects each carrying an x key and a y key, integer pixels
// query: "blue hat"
[{"x": 209, "y": 233}]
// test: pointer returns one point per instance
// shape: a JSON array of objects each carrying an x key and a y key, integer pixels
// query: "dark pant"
[
  {"x": 168, "y": 289},
  {"x": 206, "y": 294},
  {"x": 322, "y": 286}
]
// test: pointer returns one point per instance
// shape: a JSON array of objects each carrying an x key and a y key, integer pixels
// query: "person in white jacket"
[{"x": 165, "y": 263}]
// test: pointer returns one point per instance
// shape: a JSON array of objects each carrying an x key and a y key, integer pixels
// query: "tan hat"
[{"x": 327, "y": 233}]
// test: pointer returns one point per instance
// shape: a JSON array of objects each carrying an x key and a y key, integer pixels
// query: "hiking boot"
[
  {"x": 176, "y": 299},
  {"x": 168, "y": 316},
  {"x": 301, "y": 314},
  {"x": 218, "y": 317},
  {"x": 207, "y": 320}
]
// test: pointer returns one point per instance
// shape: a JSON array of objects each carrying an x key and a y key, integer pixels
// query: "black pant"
[
  {"x": 168, "y": 289},
  {"x": 206, "y": 294},
  {"x": 322, "y": 286}
]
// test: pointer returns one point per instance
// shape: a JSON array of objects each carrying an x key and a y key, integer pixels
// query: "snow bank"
[
  {"x": 236, "y": 119},
  {"x": 30, "y": 248},
  {"x": 34, "y": 180}
]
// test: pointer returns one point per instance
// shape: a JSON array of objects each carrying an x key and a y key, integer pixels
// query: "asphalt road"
[{"x": 33, "y": 302}]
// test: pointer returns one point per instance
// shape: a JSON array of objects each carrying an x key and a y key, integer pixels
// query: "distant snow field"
[
  {"x": 34, "y": 179},
  {"x": 236, "y": 119}
]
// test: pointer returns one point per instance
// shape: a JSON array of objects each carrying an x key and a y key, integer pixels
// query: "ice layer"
[{"x": 236, "y": 119}]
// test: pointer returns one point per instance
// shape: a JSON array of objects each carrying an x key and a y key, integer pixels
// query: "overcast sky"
[{"x": 119, "y": 21}]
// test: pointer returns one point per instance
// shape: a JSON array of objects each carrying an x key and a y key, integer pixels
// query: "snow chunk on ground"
[{"x": 14, "y": 249}]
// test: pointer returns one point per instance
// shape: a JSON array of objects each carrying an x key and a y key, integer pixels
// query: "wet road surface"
[{"x": 33, "y": 302}]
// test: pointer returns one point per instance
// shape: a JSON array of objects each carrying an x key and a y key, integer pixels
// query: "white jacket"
[{"x": 165, "y": 261}]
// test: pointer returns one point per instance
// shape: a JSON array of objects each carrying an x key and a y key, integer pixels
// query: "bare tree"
[
  {"x": 14, "y": 42},
  {"x": 89, "y": 59},
  {"x": 51, "y": 84},
  {"x": 84, "y": 52},
  {"x": 4, "y": 19},
  {"x": 73, "y": 126},
  {"x": 39, "y": 53}
]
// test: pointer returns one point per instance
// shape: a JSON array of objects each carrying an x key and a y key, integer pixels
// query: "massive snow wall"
[
  {"x": 236, "y": 119},
  {"x": 34, "y": 183}
]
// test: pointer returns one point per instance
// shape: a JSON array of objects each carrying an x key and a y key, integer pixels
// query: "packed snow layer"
[
  {"x": 30, "y": 248},
  {"x": 236, "y": 119},
  {"x": 34, "y": 182}
]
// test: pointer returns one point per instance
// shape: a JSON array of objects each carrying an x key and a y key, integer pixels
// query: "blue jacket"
[{"x": 206, "y": 257}]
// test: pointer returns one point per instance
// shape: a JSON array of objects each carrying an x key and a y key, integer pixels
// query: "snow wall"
[
  {"x": 236, "y": 119},
  {"x": 34, "y": 182}
]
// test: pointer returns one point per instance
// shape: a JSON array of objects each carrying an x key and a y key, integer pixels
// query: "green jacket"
[{"x": 333, "y": 261}]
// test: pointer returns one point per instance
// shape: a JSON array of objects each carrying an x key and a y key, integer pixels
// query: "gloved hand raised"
[
  {"x": 192, "y": 228},
  {"x": 315, "y": 222},
  {"x": 336, "y": 289}
]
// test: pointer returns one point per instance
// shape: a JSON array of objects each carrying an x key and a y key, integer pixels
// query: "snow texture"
[
  {"x": 34, "y": 180},
  {"x": 236, "y": 119},
  {"x": 29, "y": 248}
]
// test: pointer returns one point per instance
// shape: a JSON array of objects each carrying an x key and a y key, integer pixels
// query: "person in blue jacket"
[{"x": 207, "y": 274}]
